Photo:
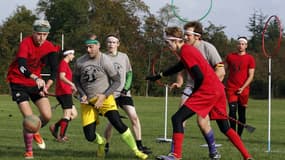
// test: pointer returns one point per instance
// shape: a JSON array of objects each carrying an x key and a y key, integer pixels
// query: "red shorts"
[
  {"x": 206, "y": 103},
  {"x": 240, "y": 98}
]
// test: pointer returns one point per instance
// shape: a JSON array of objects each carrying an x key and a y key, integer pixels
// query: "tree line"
[{"x": 141, "y": 35}]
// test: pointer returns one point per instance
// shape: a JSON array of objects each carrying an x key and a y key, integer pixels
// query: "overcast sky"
[{"x": 234, "y": 14}]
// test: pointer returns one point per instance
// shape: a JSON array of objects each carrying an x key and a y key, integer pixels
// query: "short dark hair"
[
  {"x": 242, "y": 37},
  {"x": 198, "y": 27},
  {"x": 113, "y": 35},
  {"x": 174, "y": 31}
]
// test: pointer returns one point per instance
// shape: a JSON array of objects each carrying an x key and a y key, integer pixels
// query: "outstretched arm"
[{"x": 171, "y": 70}]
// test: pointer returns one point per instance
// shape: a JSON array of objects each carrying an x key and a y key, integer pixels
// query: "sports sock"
[
  {"x": 99, "y": 139},
  {"x": 171, "y": 147},
  {"x": 177, "y": 140},
  {"x": 63, "y": 127},
  {"x": 28, "y": 139},
  {"x": 128, "y": 138},
  {"x": 235, "y": 139},
  {"x": 139, "y": 143},
  {"x": 210, "y": 138}
]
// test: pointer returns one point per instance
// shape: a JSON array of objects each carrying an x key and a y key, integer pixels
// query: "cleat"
[
  {"x": 29, "y": 155},
  {"x": 101, "y": 149},
  {"x": 215, "y": 156},
  {"x": 39, "y": 140},
  {"x": 141, "y": 155},
  {"x": 107, "y": 148},
  {"x": 168, "y": 157},
  {"x": 62, "y": 140},
  {"x": 53, "y": 131},
  {"x": 145, "y": 150}
]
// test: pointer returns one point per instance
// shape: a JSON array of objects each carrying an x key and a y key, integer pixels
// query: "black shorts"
[
  {"x": 124, "y": 100},
  {"x": 65, "y": 101},
  {"x": 21, "y": 93}
]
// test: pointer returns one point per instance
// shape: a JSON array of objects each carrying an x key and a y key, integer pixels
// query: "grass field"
[{"x": 151, "y": 112}]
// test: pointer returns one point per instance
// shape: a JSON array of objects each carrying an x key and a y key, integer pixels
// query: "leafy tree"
[
  {"x": 20, "y": 22},
  {"x": 255, "y": 26}
]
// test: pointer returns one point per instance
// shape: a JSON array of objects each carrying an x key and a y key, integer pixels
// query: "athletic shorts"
[
  {"x": 124, "y": 101},
  {"x": 204, "y": 103},
  {"x": 21, "y": 93},
  {"x": 242, "y": 98},
  {"x": 90, "y": 115},
  {"x": 65, "y": 101}
]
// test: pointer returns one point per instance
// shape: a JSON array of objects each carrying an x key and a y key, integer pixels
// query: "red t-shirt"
[
  {"x": 63, "y": 88},
  {"x": 238, "y": 69},
  {"x": 191, "y": 56},
  {"x": 210, "y": 96},
  {"x": 34, "y": 56}
]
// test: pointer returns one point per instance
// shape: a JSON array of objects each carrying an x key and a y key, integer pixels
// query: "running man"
[
  {"x": 64, "y": 90},
  {"x": 92, "y": 75},
  {"x": 208, "y": 95},
  {"x": 241, "y": 67},
  {"x": 193, "y": 31},
  {"x": 123, "y": 93},
  {"x": 26, "y": 83}
]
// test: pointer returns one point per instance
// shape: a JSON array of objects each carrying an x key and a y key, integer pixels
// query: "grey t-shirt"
[
  {"x": 92, "y": 76},
  {"x": 210, "y": 53},
  {"x": 122, "y": 64}
]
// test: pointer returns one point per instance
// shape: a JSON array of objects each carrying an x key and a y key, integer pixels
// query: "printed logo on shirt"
[
  {"x": 118, "y": 67},
  {"x": 90, "y": 71}
]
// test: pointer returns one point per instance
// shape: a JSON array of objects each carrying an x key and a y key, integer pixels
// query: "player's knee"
[
  {"x": 90, "y": 137},
  {"x": 44, "y": 121},
  {"x": 233, "y": 108},
  {"x": 176, "y": 119},
  {"x": 223, "y": 125},
  {"x": 134, "y": 120}
]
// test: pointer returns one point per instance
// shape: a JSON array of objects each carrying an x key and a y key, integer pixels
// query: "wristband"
[{"x": 36, "y": 78}]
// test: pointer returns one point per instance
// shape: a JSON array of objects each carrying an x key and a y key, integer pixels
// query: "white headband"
[
  {"x": 192, "y": 32},
  {"x": 113, "y": 38},
  {"x": 172, "y": 38},
  {"x": 68, "y": 52},
  {"x": 242, "y": 40}
]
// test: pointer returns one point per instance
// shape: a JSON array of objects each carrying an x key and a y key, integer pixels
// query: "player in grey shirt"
[
  {"x": 92, "y": 76},
  {"x": 123, "y": 97}
]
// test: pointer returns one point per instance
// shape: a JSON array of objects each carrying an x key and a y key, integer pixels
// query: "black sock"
[{"x": 139, "y": 143}]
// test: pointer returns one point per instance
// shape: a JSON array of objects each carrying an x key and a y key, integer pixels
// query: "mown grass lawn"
[{"x": 151, "y": 112}]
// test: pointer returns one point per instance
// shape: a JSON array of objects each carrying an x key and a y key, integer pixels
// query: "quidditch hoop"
[
  {"x": 276, "y": 49},
  {"x": 185, "y": 20}
]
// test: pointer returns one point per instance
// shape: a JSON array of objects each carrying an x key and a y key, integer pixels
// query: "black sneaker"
[
  {"x": 145, "y": 150},
  {"x": 106, "y": 148},
  {"x": 215, "y": 156}
]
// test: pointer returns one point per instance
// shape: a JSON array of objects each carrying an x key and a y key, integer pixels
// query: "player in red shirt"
[
  {"x": 64, "y": 89},
  {"x": 241, "y": 67},
  {"x": 25, "y": 80},
  {"x": 208, "y": 96}
]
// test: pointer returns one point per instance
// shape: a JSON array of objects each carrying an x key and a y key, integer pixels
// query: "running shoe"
[
  {"x": 39, "y": 140},
  {"x": 215, "y": 156},
  {"x": 101, "y": 148},
  {"x": 29, "y": 155},
  {"x": 139, "y": 154},
  {"x": 145, "y": 149}
]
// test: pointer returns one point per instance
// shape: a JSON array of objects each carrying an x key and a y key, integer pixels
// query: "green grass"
[{"x": 151, "y": 112}]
